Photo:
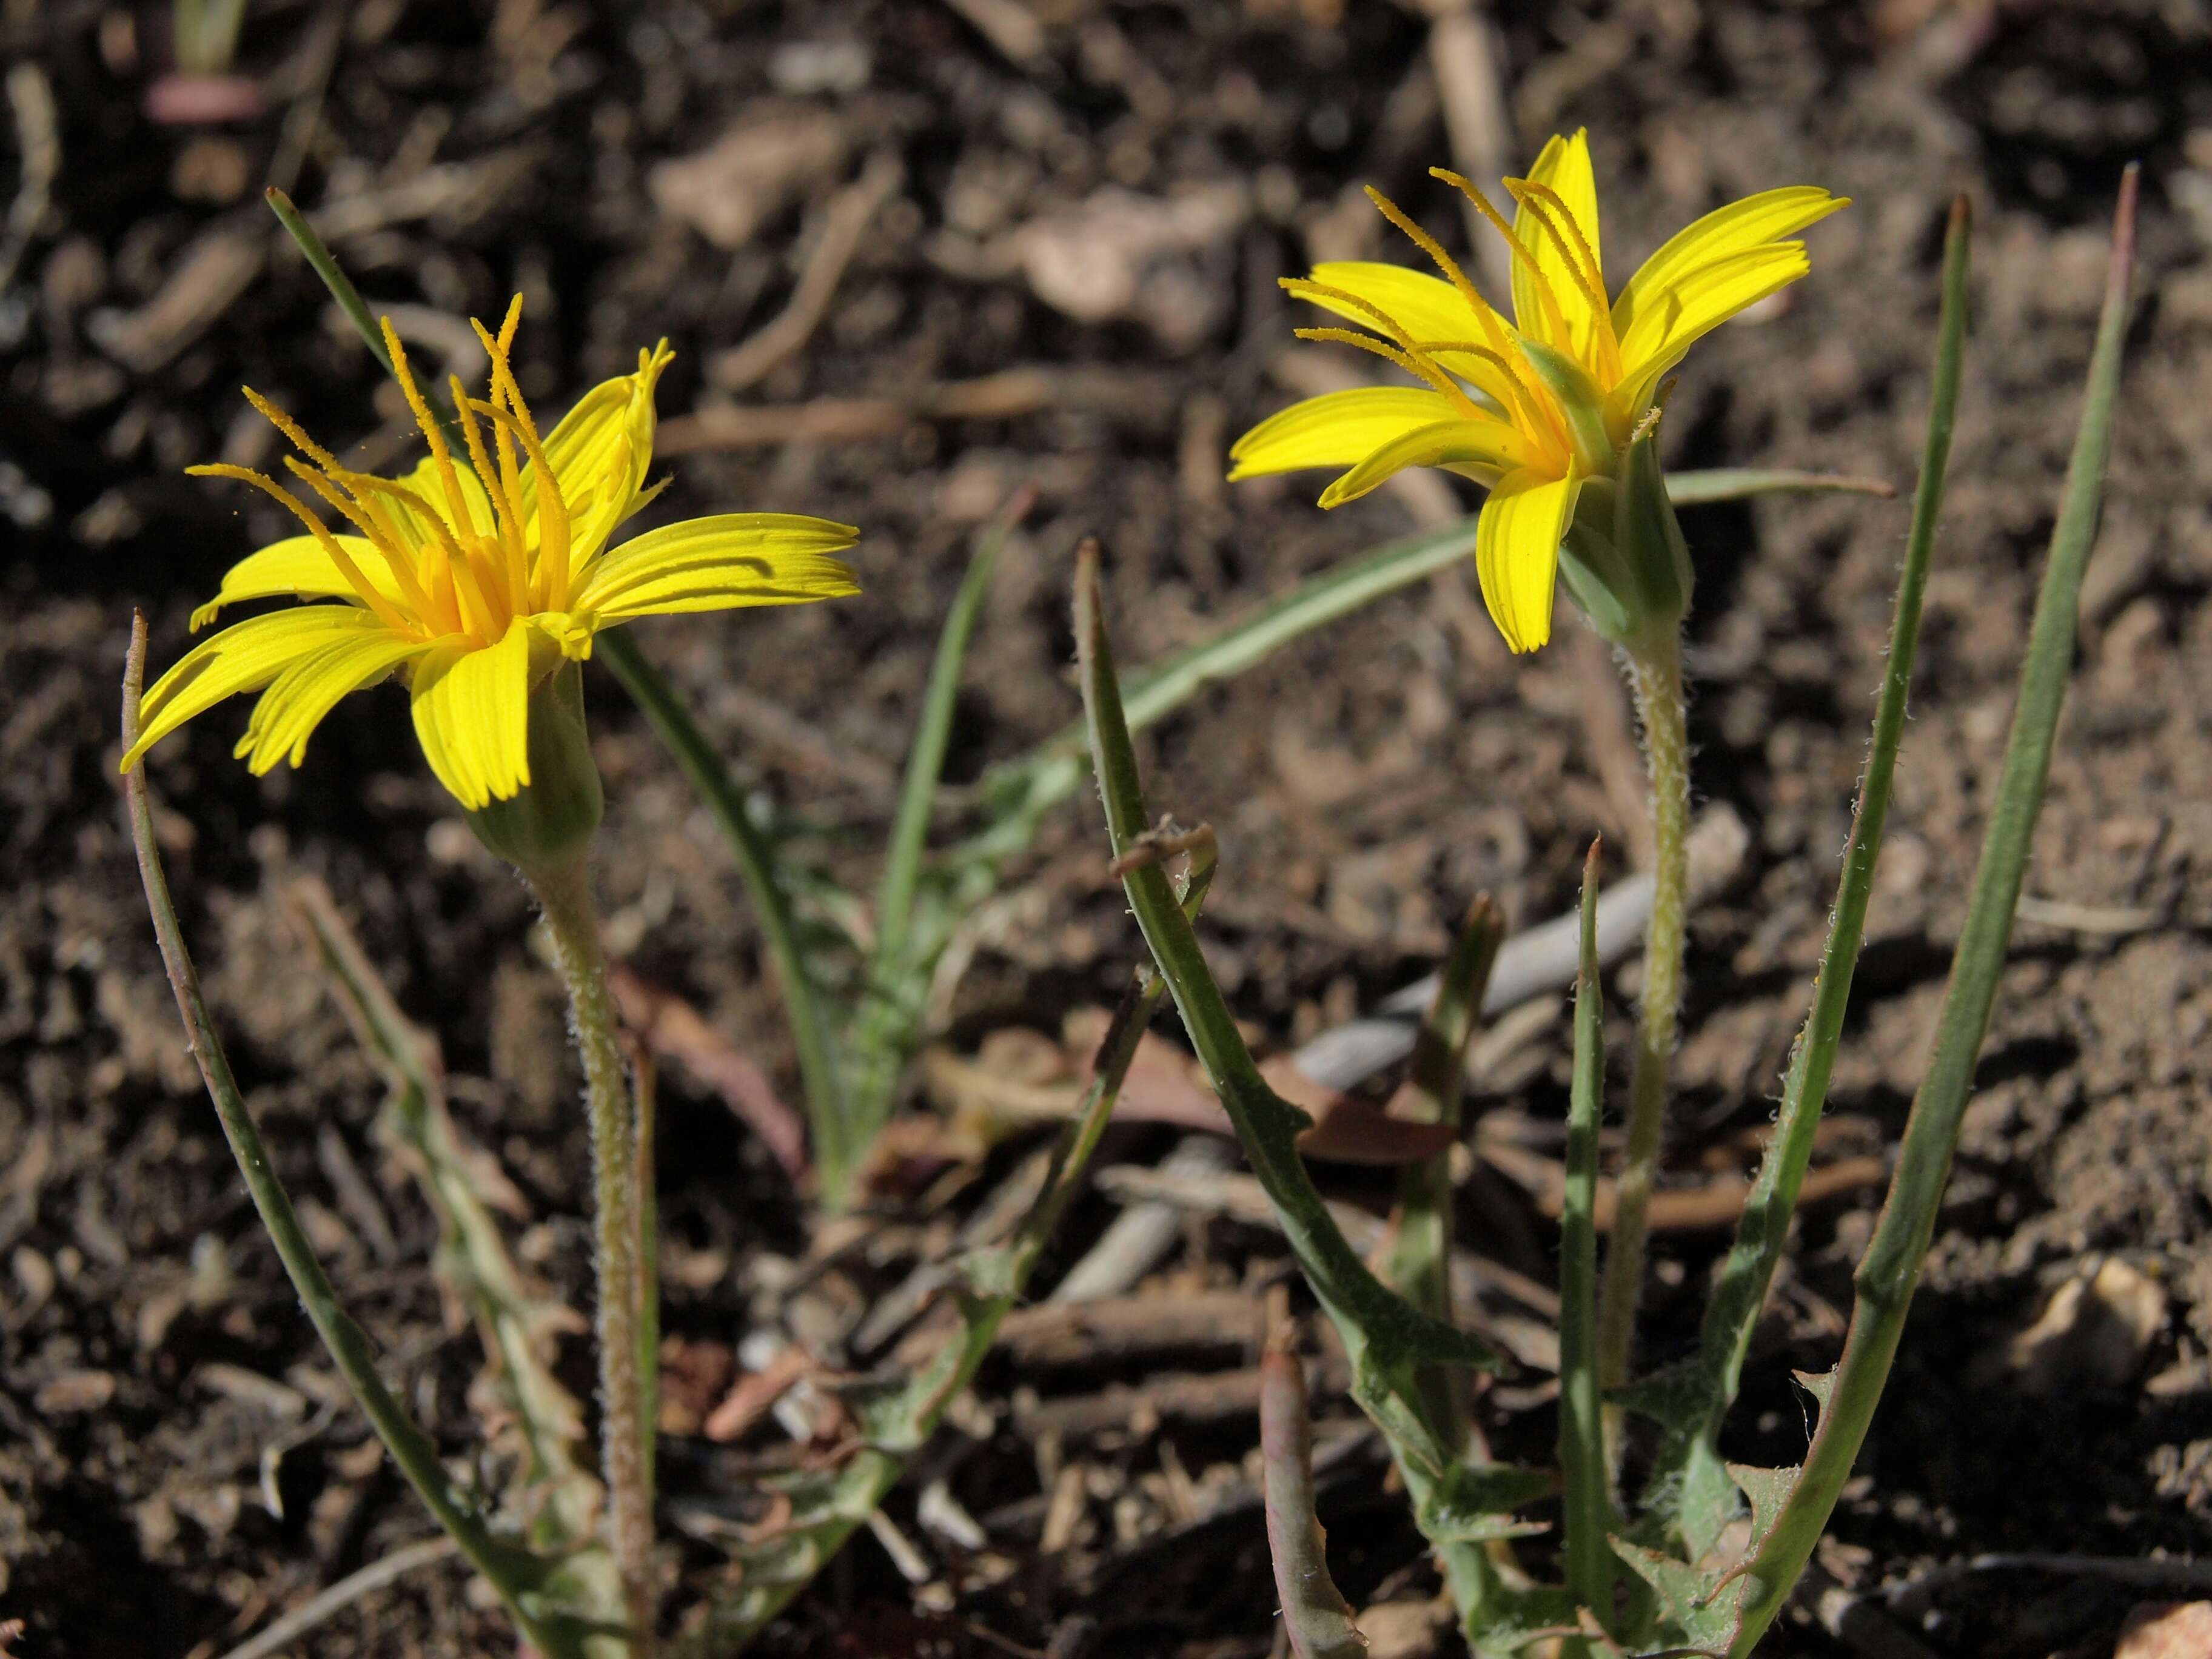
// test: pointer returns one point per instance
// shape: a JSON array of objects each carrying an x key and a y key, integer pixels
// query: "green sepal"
[
  {"x": 557, "y": 812},
  {"x": 1649, "y": 537},
  {"x": 1580, "y": 401}
]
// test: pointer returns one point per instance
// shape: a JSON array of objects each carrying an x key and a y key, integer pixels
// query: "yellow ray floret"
[
  {"x": 1532, "y": 407},
  {"x": 473, "y": 575}
]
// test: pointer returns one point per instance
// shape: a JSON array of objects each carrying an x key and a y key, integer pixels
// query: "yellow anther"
[
  {"x": 373, "y": 526},
  {"x": 552, "y": 513},
  {"x": 1549, "y": 300},
  {"x": 463, "y": 521},
  {"x": 1408, "y": 356},
  {"x": 378, "y": 605},
  {"x": 506, "y": 517},
  {"x": 1541, "y": 203},
  {"x": 1485, "y": 315},
  {"x": 292, "y": 430}
]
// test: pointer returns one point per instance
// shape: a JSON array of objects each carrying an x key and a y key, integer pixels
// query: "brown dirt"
[{"x": 1365, "y": 784}]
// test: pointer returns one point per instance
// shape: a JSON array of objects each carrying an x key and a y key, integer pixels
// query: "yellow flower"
[
  {"x": 1534, "y": 407},
  {"x": 475, "y": 576}
]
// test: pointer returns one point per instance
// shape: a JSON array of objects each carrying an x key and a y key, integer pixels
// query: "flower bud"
[{"x": 553, "y": 818}]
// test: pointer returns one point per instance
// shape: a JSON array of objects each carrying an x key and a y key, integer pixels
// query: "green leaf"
[
  {"x": 1689, "y": 1463},
  {"x": 1380, "y": 1328},
  {"x": 932, "y": 734},
  {"x": 1697, "y": 1609},
  {"x": 1474, "y": 1505},
  {"x": 882, "y": 1033},
  {"x": 828, "y": 1117},
  {"x": 896, "y": 1418},
  {"x": 1738, "y": 484},
  {"x": 1891, "y": 1268},
  {"x": 1420, "y": 1249}
]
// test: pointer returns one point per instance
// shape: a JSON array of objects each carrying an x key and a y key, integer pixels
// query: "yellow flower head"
[
  {"x": 475, "y": 576},
  {"x": 1536, "y": 407}
]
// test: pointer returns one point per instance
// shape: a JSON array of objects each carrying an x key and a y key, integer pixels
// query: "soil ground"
[{"x": 1366, "y": 783}]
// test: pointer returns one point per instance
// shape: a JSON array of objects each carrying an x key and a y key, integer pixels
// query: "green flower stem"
[
  {"x": 1655, "y": 672},
  {"x": 626, "y": 1425},
  {"x": 1589, "y": 1559},
  {"x": 1890, "y": 1271},
  {"x": 511, "y": 1571}
]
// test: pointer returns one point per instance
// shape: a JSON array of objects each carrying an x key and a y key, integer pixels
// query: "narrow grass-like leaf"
[
  {"x": 1704, "y": 487},
  {"x": 933, "y": 736},
  {"x": 1689, "y": 1475},
  {"x": 1378, "y": 1326},
  {"x": 1019, "y": 791},
  {"x": 1890, "y": 1270},
  {"x": 881, "y": 1034},
  {"x": 1590, "y": 1559},
  {"x": 518, "y": 1574},
  {"x": 1315, "y": 1616},
  {"x": 826, "y": 1114},
  {"x": 1420, "y": 1251},
  {"x": 827, "y": 1506}
]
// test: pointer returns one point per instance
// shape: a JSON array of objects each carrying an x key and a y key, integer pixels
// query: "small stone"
[
  {"x": 75, "y": 1392},
  {"x": 2166, "y": 1630}
]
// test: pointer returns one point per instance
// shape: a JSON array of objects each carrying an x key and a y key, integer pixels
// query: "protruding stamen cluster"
[{"x": 449, "y": 574}]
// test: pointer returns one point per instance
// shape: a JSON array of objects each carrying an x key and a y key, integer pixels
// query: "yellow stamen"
[
  {"x": 1574, "y": 254},
  {"x": 1464, "y": 404},
  {"x": 1580, "y": 255},
  {"x": 507, "y": 518},
  {"x": 463, "y": 521},
  {"x": 363, "y": 517},
  {"x": 1482, "y": 205},
  {"x": 1412, "y": 360},
  {"x": 292, "y": 430},
  {"x": 510, "y": 476},
  {"x": 503, "y": 388},
  {"x": 446, "y": 550},
  {"x": 378, "y": 605},
  {"x": 1535, "y": 410},
  {"x": 552, "y": 510},
  {"x": 1485, "y": 314}
]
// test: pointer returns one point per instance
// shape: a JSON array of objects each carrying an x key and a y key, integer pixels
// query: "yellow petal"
[
  {"x": 244, "y": 656},
  {"x": 719, "y": 563},
  {"x": 1564, "y": 167},
  {"x": 1481, "y": 450},
  {"x": 297, "y": 568},
  {"x": 298, "y": 699},
  {"x": 1427, "y": 307},
  {"x": 1335, "y": 430},
  {"x": 1517, "y": 553},
  {"x": 1736, "y": 229},
  {"x": 1695, "y": 304},
  {"x": 472, "y": 714},
  {"x": 600, "y": 453}
]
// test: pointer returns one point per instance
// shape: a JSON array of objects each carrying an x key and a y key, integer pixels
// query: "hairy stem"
[
  {"x": 1654, "y": 673},
  {"x": 564, "y": 893}
]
